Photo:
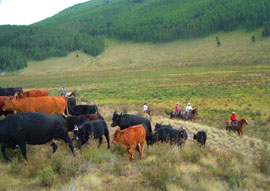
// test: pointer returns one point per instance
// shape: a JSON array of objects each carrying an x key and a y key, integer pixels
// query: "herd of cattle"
[{"x": 41, "y": 118}]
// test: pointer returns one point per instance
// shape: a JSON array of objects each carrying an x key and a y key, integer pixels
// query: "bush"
[
  {"x": 263, "y": 162},
  {"x": 45, "y": 177},
  {"x": 229, "y": 167},
  {"x": 266, "y": 29},
  {"x": 192, "y": 154}
]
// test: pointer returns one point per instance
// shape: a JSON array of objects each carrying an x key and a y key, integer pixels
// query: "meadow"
[{"x": 216, "y": 80}]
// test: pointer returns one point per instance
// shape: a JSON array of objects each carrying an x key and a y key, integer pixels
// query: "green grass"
[{"x": 233, "y": 77}]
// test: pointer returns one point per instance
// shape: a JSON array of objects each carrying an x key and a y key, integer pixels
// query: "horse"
[
  {"x": 191, "y": 115},
  {"x": 239, "y": 127},
  {"x": 174, "y": 115},
  {"x": 70, "y": 94},
  {"x": 148, "y": 111}
]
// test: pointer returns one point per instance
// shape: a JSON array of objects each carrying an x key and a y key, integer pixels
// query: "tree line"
[
  {"x": 84, "y": 26},
  {"x": 21, "y": 43}
]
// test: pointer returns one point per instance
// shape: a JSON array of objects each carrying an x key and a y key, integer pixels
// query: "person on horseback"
[
  {"x": 188, "y": 109},
  {"x": 145, "y": 107},
  {"x": 233, "y": 121},
  {"x": 63, "y": 91},
  {"x": 176, "y": 109}
]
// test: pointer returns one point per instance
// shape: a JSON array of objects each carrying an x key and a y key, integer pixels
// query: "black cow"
[
  {"x": 9, "y": 91},
  {"x": 183, "y": 133},
  {"x": 127, "y": 120},
  {"x": 158, "y": 126},
  {"x": 201, "y": 137},
  {"x": 83, "y": 109},
  {"x": 75, "y": 120},
  {"x": 32, "y": 128},
  {"x": 168, "y": 134},
  {"x": 95, "y": 129}
]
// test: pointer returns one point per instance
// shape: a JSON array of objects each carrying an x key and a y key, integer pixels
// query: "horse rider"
[
  {"x": 233, "y": 121},
  {"x": 188, "y": 110},
  {"x": 176, "y": 109},
  {"x": 63, "y": 91},
  {"x": 145, "y": 107}
]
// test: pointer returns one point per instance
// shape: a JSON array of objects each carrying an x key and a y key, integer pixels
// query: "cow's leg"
[
  {"x": 139, "y": 148},
  {"x": 142, "y": 148},
  {"x": 54, "y": 146},
  {"x": 23, "y": 149},
  {"x": 108, "y": 139},
  {"x": 131, "y": 151},
  {"x": 67, "y": 140},
  {"x": 100, "y": 141},
  {"x": 3, "y": 150}
]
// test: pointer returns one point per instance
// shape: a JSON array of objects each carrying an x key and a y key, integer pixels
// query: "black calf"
[{"x": 201, "y": 137}]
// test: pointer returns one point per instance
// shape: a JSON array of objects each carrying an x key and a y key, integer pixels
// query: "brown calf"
[{"x": 131, "y": 138}]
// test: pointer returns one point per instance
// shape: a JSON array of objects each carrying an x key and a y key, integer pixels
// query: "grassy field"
[{"x": 217, "y": 80}]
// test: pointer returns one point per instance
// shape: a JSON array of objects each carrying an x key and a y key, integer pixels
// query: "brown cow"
[
  {"x": 131, "y": 138},
  {"x": 92, "y": 117},
  {"x": 3, "y": 99},
  {"x": 49, "y": 105},
  {"x": 32, "y": 93}
]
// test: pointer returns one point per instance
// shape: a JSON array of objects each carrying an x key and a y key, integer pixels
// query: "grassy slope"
[{"x": 234, "y": 76}]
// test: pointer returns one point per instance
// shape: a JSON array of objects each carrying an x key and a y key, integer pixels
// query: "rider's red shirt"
[{"x": 233, "y": 117}]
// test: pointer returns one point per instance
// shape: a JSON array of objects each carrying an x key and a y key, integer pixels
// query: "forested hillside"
[
  {"x": 162, "y": 20},
  {"x": 18, "y": 43},
  {"x": 83, "y": 26}
]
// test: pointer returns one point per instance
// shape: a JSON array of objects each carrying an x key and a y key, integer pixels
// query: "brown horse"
[
  {"x": 174, "y": 115},
  {"x": 149, "y": 112},
  {"x": 239, "y": 127},
  {"x": 191, "y": 115}
]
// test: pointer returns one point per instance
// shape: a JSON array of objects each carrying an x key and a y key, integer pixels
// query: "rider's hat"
[
  {"x": 233, "y": 112},
  {"x": 189, "y": 104}
]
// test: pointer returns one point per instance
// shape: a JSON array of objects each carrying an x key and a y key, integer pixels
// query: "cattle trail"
[{"x": 219, "y": 138}]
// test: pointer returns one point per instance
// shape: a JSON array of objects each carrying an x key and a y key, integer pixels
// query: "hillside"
[
  {"x": 216, "y": 80},
  {"x": 218, "y": 166},
  {"x": 161, "y": 20},
  {"x": 84, "y": 26},
  {"x": 235, "y": 77}
]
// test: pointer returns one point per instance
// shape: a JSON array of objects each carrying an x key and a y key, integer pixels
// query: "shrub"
[
  {"x": 266, "y": 29},
  {"x": 45, "y": 177},
  {"x": 229, "y": 168},
  {"x": 192, "y": 154},
  {"x": 263, "y": 162},
  {"x": 253, "y": 38}
]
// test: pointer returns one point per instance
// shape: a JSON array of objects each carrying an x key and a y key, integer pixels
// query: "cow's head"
[
  {"x": 79, "y": 134},
  {"x": 115, "y": 119},
  {"x": 157, "y": 126},
  {"x": 20, "y": 95},
  {"x": 116, "y": 137},
  {"x": 9, "y": 105},
  {"x": 75, "y": 132},
  {"x": 195, "y": 137}
]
